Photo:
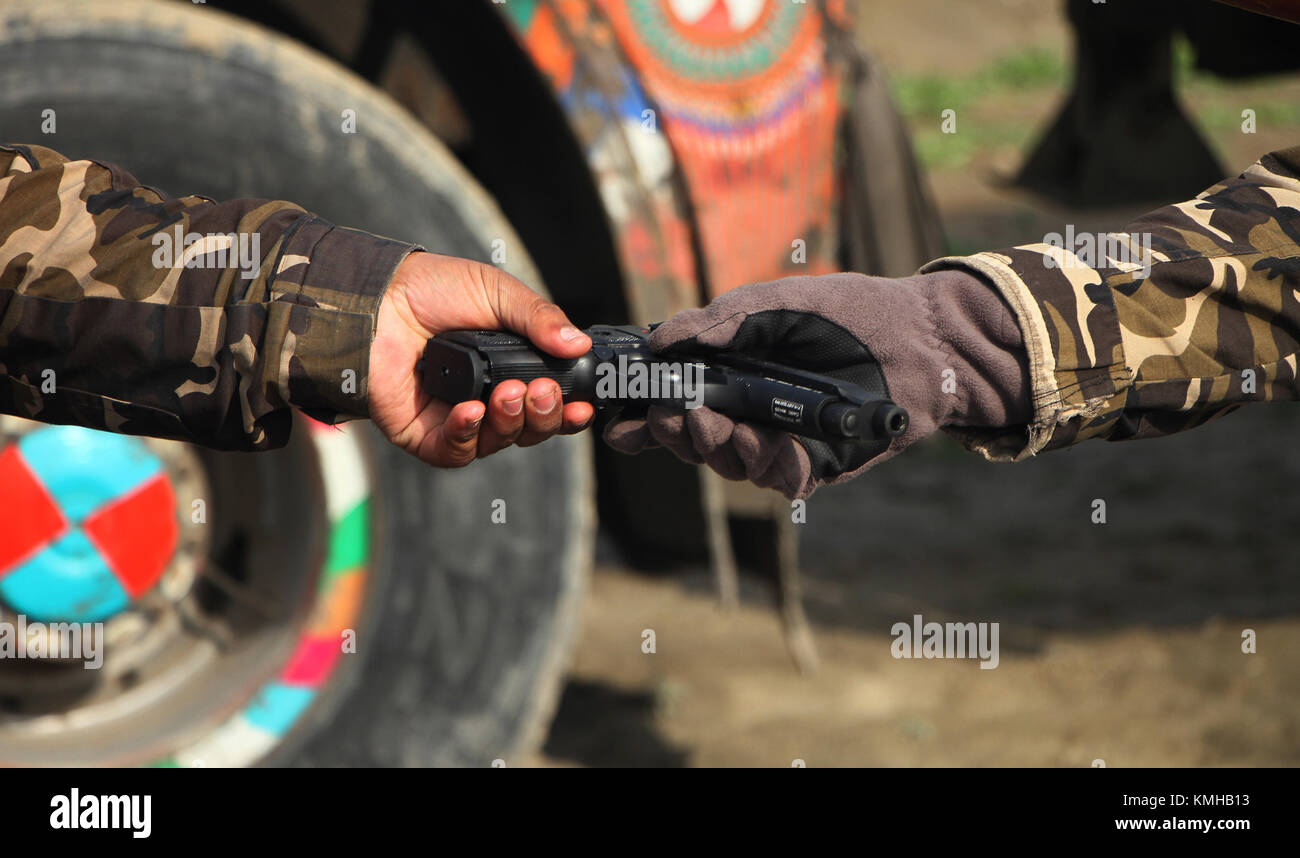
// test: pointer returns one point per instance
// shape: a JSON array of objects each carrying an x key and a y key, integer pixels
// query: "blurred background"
[
  {"x": 1120, "y": 642},
  {"x": 637, "y": 157}
]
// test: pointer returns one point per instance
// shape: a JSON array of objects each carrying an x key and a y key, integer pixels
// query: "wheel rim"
[
  {"x": 96, "y": 524},
  {"x": 164, "y": 642}
]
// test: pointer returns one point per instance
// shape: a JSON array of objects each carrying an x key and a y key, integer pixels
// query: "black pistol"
[{"x": 621, "y": 372}]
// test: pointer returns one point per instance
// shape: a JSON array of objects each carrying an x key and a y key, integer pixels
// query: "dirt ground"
[{"x": 1120, "y": 642}]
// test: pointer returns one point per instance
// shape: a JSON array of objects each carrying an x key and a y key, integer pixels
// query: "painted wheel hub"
[{"x": 91, "y": 523}]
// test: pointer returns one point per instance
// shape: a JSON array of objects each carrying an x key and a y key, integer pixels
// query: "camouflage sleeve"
[
  {"x": 124, "y": 309},
  {"x": 1188, "y": 313}
]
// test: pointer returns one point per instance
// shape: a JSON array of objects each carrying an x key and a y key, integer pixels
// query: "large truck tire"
[{"x": 458, "y": 590}]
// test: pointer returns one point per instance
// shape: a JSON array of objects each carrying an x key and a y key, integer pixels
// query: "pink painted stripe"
[{"x": 312, "y": 661}]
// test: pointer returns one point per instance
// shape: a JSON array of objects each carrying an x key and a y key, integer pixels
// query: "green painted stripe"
[
  {"x": 520, "y": 13},
  {"x": 349, "y": 543},
  {"x": 349, "y": 549}
]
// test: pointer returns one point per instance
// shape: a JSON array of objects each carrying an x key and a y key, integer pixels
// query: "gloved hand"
[{"x": 917, "y": 328}]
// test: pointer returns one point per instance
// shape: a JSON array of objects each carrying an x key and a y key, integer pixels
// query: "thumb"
[
  {"x": 523, "y": 311},
  {"x": 713, "y": 326},
  {"x": 716, "y": 325}
]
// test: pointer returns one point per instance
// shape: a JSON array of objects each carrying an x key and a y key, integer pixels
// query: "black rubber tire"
[
  {"x": 469, "y": 623},
  {"x": 464, "y": 663}
]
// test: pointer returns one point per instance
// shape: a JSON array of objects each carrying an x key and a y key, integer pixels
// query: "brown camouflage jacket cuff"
[
  {"x": 335, "y": 277},
  {"x": 1071, "y": 332},
  {"x": 1190, "y": 312}
]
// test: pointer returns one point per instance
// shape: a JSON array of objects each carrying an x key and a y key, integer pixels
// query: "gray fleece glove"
[{"x": 948, "y": 345}]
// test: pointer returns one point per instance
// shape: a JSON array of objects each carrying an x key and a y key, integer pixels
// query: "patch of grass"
[
  {"x": 1032, "y": 67},
  {"x": 1185, "y": 61},
  {"x": 923, "y": 98},
  {"x": 983, "y": 99},
  {"x": 939, "y": 150},
  {"x": 1217, "y": 103},
  {"x": 928, "y": 95},
  {"x": 1222, "y": 115}
]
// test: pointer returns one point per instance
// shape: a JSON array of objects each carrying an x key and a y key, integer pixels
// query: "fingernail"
[
  {"x": 570, "y": 334},
  {"x": 513, "y": 406},
  {"x": 546, "y": 404},
  {"x": 471, "y": 430}
]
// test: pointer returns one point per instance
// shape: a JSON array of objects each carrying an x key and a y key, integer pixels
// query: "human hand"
[
  {"x": 948, "y": 346},
  {"x": 429, "y": 294}
]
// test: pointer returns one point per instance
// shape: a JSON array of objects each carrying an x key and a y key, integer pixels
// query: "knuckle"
[
  {"x": 458, "y": 458},
  {"x": 539, "y": 311},
  {"x": 545, "y": 423},
  {"x": 482, "y": 276},
  {"x": 532, "y": 438},
  {"x": 507, "y": 435},
  {"x": 459, "y": 452}
]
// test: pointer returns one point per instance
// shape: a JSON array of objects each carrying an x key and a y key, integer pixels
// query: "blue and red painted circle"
[{"x": 90, "y": 523}]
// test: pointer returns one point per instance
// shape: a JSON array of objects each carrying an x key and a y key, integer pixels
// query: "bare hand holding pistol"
[{"x": 430, "y": 294}]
